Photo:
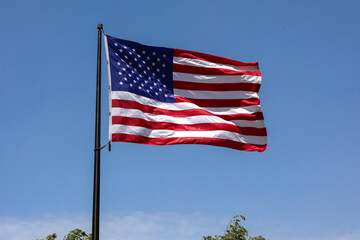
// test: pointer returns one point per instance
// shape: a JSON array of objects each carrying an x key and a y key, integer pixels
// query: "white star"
[
  {"x": 163, "y": 75},
  {"x": 124, "y": 69},
  {"x": 132, "y": 71},
  {"x": 146, "y": 81},
  {"x": 147, "y": 90},
  {"x": 121, "y": 83},
  {"x": 137, "y": 78},
  {"x": 158, "y": 59},
  {"x": 144, "y": 72},
  {"x": 125, "y": 47},
  {"x": 125, "y": 78},
  {"x": 129, "y": 75},
  {"x": 160, "y": 90},
  {"x": 164, "y": 55},
  {"x": 120, "y": 73},
  {"x": 153, "y": 64},
  {"x": 158, "y": 80},
  {"x": 130, "y": 63},
  {"x": 166, "y": 95},
  {"x": 138, "y": 56},
  {"x": 142, "y": 85},
  {"x": 134, "y": 81},
  {"x": 148, "y": 58},
  {"x": 153, "y": 74},
  {"x": 143, "y": 52},
  {"x": 154, "y": 83},
  {"x": 158, "y": 70},
  {"x": 151, "y": 87},
  {"x": 139, "y": 87},
  {"x": 143, "y": 62},
  {"x": 156, "y": 93},
  {"x": 148, "y": 68},
  {"x": 126, "y": 57},
  {"x": 130, "y": 53},
  {"x": 140, "y": 65},
  {"x": 134, "y": 49},
  {"x": 121, "y": 50},
  {"x": 149, "y": 78},
  {"x": 116, "y": 54},
  {"x": 116, "y": 44},
  {"x": 131, "y": 85},
  {"x": 154, "y": 53},
  {"x": 164, "y": 86},
  {"x": 135, "y": 59},
  {"x": 164, "y": 65}
]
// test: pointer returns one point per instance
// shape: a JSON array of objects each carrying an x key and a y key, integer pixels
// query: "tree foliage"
[
  {"x": 234, "y": 231},
  {"x": 76, "y": 234}
]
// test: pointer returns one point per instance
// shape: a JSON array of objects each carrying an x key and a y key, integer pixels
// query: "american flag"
[{"x": 163, "y": 96}]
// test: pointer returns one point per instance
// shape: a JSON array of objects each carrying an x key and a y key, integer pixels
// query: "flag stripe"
[
  {"x": 201, "y": 63},
  {"x": 135, "y": 113},
  {"x": 206, "y": 103},
  {"x": 156, "y": 125},
  {"x": 210, "y": 71},
  {"x": 210, "y": 58},
  {"x": 196, "y": 78},
  {"x": 216, "y": 94},
  {"x": 180, "y": 104},
  {"x": 242, "y": 115},
  {"x": 219, "y": 134},
  {"x": 216, "y": 86},
  {"x": 119, "y": 137}
]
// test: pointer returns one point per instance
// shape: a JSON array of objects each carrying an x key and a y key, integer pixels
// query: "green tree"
[
  {"x": 50, "y": 237},
  {"x": 234, "y": 231},
  {"x": 76, "y": 234}
]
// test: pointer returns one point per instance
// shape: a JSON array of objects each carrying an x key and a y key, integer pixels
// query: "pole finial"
[{"x": 100, "y": 26}]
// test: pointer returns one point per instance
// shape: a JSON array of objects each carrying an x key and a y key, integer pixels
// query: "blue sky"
[{"x": 304, "y": 186}]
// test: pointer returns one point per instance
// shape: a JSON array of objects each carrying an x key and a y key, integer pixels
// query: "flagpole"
[{"x": 96, "y": 193}]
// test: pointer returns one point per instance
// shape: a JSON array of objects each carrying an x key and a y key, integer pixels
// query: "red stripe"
[
  {"x": 210, "y": 71},
  {"x": 182, "y": 113},
  {"x": 210, "y": 58},
  {"x": 188, "y": 127},
  {"x": 216, "y": 86},
  {"x": 221, "y": 102},
  {"x": 120, "y": 137}
]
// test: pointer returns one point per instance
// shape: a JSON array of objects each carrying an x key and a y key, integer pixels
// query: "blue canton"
[{"x": 140, "y": 69}]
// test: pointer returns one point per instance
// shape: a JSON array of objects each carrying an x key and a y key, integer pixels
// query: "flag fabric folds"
[{"x": 163, "y": 96}]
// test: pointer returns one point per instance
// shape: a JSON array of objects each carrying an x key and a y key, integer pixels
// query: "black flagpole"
[{"x": 96, "y": 197}]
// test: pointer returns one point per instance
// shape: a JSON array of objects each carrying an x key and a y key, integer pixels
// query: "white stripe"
[
  {"x": 135, "y": 113},
  {"x": 248, "y": 123},
  {"x": 188, "y": 77},
  {"x": 206, "y": 64},
  {"x": 123, "y": 95},
  {"x": 233, "y": 110},
  {"x": 215, "y": 94},
  {"x": 150, "y": 133}
]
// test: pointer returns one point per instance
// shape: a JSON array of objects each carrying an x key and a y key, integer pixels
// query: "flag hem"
[{"x": 109, "y": 77}]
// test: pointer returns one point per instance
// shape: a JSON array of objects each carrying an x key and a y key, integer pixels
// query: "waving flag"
[{"x": 163, "y": 96}]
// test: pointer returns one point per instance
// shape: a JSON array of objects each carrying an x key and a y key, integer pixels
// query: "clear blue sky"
[{"x": 304, "y": 186}]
